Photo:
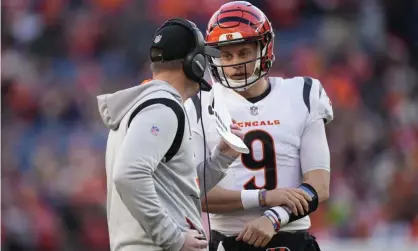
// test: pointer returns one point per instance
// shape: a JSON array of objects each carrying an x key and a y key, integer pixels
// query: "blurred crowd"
[{"x": 57, "y": 55}]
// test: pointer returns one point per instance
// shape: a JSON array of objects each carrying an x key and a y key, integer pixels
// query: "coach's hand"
[
  {"x": 192, "y": 242},
  {"x": 225, "y": 148},
  {"x": 257, "y": 232},
  {"x": 294, "y": 198}
]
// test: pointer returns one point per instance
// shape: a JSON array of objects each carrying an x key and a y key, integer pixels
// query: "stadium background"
[{"x": 57, "y": 55}]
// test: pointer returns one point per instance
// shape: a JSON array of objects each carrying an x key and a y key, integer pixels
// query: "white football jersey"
[{"x": 273, "y": 127}]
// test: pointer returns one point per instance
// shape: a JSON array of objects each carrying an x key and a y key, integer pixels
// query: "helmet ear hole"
[
  {"x": 266, "y": 65},
  {"x": 267, "y": 37}
]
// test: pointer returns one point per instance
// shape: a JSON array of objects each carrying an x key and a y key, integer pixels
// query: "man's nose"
[{"x": 237, "y": 63}]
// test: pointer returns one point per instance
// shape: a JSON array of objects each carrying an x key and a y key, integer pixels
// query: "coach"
[{"x": 153, "y": 193}]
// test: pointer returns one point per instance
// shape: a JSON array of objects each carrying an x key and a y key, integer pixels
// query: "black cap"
[{"x": 175, "y": 42}]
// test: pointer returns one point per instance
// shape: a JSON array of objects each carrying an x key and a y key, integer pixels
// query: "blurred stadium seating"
[{"x": 57, "y": 55}]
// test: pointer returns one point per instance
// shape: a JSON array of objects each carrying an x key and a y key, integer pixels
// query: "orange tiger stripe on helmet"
[{"x": 238, "y": 16}]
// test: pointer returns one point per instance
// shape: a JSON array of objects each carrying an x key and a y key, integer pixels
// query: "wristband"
[
  {"x": 274, "y": 220},
  {"x": 262, "y": 197},
  {"x": 282, "y": 214},
  {"x": 310, "y": 190},
  {"x": 249, "y": 199}
]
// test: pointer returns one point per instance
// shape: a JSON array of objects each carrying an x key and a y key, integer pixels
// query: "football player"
[{"x": 265, "y": 200}]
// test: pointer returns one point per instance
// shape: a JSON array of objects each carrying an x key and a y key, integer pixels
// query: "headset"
[{"x": 194, "y": 64}]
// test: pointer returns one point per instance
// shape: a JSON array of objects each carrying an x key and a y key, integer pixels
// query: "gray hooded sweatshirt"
[{"x": 152, "y": 203}]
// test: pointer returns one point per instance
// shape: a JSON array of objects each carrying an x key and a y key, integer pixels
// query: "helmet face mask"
[{"x": 238, "y": 23}]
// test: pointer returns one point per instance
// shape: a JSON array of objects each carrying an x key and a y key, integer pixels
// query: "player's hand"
[
  {"x": 294, "y": 198},
  {"x": 257, "y": 232},
  {"x": 225, "y": 148},
  {"x": 192, "y": 242}
]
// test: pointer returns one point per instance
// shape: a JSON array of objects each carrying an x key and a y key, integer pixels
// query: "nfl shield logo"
[
  {"x": 157, "y": 39},
  {"x": 155, "y": 130},
  {"x": 254, "y": 110}
]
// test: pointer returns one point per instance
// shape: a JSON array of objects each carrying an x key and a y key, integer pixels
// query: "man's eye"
[
  {"x": 244, "y": 54},
  {"x": 226, "y": 56}
]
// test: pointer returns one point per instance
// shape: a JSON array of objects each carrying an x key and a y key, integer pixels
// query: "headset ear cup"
[
  {"x": 187, "y": 67},
  {"x": 194, "y": 66},
  {"x": 199, "y": 65}
]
